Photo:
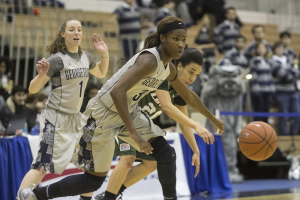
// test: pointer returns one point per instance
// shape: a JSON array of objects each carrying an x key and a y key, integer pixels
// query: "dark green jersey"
[{"x": 151, "y": 105}]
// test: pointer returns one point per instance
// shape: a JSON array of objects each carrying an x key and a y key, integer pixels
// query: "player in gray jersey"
[
  {"x": 68, "y": 70},
  {"x": 114, "y": 111}
]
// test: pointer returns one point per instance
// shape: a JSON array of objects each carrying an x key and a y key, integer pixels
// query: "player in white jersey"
[
  {"x": 68, "y": 69},
  {"x": 114, "y": 111}
]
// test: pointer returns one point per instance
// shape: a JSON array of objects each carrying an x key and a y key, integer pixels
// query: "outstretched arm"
[
  {"x": 192, "y": 99},
  {"x": 101, "y": 67},
  {"x": 145, "y": 65}
]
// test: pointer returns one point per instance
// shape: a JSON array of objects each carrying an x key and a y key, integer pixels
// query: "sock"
[
  {"x": 123, "y": 187},
  {"x": 110, "y": 195},
  {"x": 85, "y": 198}
]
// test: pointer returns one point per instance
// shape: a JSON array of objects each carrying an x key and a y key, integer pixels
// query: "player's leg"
[
  {"x": 33, "y": 176},
  {"x": 118, "y": 176},
  {"x": 165, "y": 156},
  {"x": 139, "y": 172}
]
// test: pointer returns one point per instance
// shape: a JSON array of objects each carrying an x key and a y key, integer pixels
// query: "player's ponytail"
[
  {"x": 163, "y": 28},
  {"x": 59, "y": 42}
]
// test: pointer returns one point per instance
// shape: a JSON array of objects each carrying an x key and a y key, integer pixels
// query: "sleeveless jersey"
[
  {"x": 68, "y": 85},
  {"x": 141, "y": 88},
  {"x": 151, "y": 105}
]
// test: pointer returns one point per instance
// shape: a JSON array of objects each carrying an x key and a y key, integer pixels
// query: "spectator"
[
  {"x": 130, "y": 27},
  {"x": 16, "y": 100},
  {"x": 287, "y": 99},
  {"x": 164, "y": 9},
  {"x": 5, "y": 83},
  {"x": 90, "y": 92},
  {"x": 226, "y": 32},
  {"x": 182, "y": 11},
  {"x": 5, "y": 113},
  {"x": 205, "y": 40},
  {"x": 285, "y": 38},
  {"x": 31, "y": 107},
  {"x": 261, "y": 85},
  {"x": 237, "y": 54},
  {"x": 258, "y": 32}
]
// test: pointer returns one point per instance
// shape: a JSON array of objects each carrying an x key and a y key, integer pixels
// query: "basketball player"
[
  {"x": 166, "y": 99},
  {"x": 68, "y": 69},
  {"x": 114, "y": 111}
]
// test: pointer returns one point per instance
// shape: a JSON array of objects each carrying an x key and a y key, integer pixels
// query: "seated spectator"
[
  {"x": 182, "y": 11},
  {"x": 237, "y": 54},
  {"x": 258, "y": 32},
  {"x": 226, "y": 32},
  {"x": 15, "y": 101},
  {"x": 287, "y": 98},
  {"x": 129, "y": 19},
  {"x": 5, "y": 114},
  {"x": 164, "y": 9},
  {"x": 5, "y": 83},
  {"x": 205, "y": 41},
  {"x": 261, "y": 85},
  {"x": 90, "y": 92},
  {"x": 31, "y": 107},
  {"x": 285, "y": 38}
]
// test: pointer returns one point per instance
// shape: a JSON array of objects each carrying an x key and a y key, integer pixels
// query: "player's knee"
[
  {"x": 94, "y": 181},
  {"x": 151, "y": 166},
  {"x": 127, "y": 161}
]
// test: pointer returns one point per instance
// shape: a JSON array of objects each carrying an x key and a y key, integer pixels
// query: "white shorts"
[
  {"x": 59, "y": 133},
  {"x": 100, "y": 125}
]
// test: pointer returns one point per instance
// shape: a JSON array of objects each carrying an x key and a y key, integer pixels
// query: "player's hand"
[
  {"x": 42, "y": 67},
  {"x": 99, "y": 45},
  {"x": 218, "y": 124},
  {"x": 207, "y": 136},
  {"x": 196, "y": 163},
  {"x": 145, "y": 147}
]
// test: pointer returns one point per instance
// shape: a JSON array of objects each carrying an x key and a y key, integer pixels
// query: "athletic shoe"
[
  {"x": 26, "y": 194},
  {"x": 102, "y": 196}
]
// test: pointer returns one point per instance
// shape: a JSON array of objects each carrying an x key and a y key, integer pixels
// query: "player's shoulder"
[
  {"x": 148, "y": 58},
  {"x": 54, "y": 58}
]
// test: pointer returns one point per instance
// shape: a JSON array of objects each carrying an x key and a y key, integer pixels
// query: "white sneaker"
[{"x": 26, "y": 194}]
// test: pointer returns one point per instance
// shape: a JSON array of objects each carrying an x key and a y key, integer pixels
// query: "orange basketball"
[{"x": 258, "y": 141}]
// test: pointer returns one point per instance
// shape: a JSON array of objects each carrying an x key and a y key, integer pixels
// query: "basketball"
[{"x": 258, "y": 141}]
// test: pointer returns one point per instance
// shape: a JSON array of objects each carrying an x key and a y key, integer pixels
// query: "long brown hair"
[
  {"x": 59, "y": 42},
  {"x": 153, "y": 40}
]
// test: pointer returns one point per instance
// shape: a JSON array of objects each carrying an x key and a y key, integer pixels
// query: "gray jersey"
[
  {"x": 69, "y": 76},
  {"x": 140, "y": 89}
]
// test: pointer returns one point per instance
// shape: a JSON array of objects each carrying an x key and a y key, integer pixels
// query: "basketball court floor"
[{"x": 272, "y": 189}]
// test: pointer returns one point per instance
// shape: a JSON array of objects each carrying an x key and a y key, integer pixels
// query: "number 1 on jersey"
[{"x": 80, "y": 83}]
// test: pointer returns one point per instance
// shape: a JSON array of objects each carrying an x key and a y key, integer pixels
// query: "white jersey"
[
  {"x": 69, "y": 83},
  {"x": 141, "y": 88}
]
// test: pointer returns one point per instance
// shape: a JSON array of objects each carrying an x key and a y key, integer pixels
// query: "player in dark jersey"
[
  {"x": 115, "y": 112},
  {"x": 164, "y": 99},
  {"x": 67, "y": 69}
]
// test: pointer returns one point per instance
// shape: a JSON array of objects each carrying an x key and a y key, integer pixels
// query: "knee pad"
[
  {"x": 93, "y": 181},
  {"x": 166, "y": 165}
]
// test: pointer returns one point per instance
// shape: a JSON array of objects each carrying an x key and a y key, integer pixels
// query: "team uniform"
[
  {"x": 60, "y": 120},
  {"x": 151, "y": 106},
  {"x": 101, "y": 122}
]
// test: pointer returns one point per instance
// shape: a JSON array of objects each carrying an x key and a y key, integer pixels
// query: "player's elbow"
[{"x": 167, "y": 109}]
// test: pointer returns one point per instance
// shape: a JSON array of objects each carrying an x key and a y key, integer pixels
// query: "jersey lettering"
[
  {"x": 152, "y": 82},
  {"x": 155, "y": 98},
  {"x": 138, "y": 96},
  {"x": 77, "y": 73}
]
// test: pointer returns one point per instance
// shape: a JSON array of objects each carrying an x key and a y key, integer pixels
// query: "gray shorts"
[
  {"x": 100, "y": 125},
  {"x": 59, "y": 134}
]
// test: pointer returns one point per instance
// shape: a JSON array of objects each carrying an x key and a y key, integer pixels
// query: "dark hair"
[
  {"x": 153, "y": 40},
  {"x": 285, "y": 33},
  {"x": 257, "y": 45},
  {"x": 59, "y": 42},
  {"x": 241, "y": 36},
  {"x": 188, "y": 56},
  {"x": 91, "y": 86},
  {"x": 276, "y": 45},
  {"x": 229, "y": 8},
  {"x": 257, "y": 26},
  {"x": 17, "y": 88},
  {"x": 41, "y": 96}
]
